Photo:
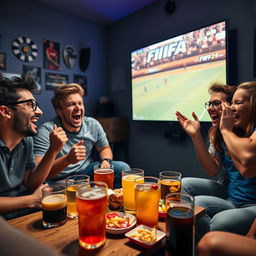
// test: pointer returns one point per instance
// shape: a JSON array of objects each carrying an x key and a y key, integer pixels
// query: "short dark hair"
[{"x": 9, "y": 87}]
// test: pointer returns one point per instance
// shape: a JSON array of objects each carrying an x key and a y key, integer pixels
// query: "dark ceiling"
[{"x": 103, "y": 12}]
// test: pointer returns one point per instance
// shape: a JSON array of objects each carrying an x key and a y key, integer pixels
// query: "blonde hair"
[
  {"x": 250, "y": 88},
  {"x": 62, "y": 92}
]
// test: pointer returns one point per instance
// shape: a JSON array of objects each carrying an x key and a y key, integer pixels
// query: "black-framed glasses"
[
  {"x": 33, "y": 104},
  {"x": 215, "y": 103}
]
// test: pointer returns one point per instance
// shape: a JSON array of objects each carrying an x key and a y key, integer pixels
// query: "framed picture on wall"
[
  {"x": 51, "y": 55},
  {"x": 55, "y": 80},
  {"x": 35, "y": 73},
  {"x": 2, "y": 61},
  {"x": 82, "y": 81}
]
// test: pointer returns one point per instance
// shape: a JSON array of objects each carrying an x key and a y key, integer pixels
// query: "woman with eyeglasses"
[{"x": 230, "y": 198}]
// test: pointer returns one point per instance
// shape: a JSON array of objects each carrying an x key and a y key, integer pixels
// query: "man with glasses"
[{"x": 20, "y": 179}]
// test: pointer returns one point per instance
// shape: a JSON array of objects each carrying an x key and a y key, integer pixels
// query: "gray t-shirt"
[
  {"x": 91, "y": 132},
  {"x": 13, "y": 165}
]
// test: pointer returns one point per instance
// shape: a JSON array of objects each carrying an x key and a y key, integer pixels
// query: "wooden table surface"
[{"x": 64, "y": 239}]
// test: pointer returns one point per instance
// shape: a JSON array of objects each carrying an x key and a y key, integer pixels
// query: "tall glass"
[
  {"x": 180, "y": 224},
  {"x": 147, "y": 196},
  {"x": 92, "y": 204},
  {"x": 54, "y": 206},
  {"x": 170, "y": 182},
  {"x": 105, "y": 175},
  {"x": 71, "y": 185},
  {"x": 128, "y": 177}
]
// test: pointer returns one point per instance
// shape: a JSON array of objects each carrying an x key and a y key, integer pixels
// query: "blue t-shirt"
[
  {"x": 91, "y": 133},
  {"x": 13, "y": 165},
  {"x": 241, "y": 190}
]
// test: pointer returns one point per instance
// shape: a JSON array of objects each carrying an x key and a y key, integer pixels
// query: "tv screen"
[{"x": 175, "y": 74}]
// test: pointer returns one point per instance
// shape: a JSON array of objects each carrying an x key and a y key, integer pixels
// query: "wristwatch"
[{"x": 108, "y": 160}]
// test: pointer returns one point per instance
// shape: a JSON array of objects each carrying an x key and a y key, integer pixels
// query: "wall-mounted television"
[{"x": 175, "y": 74}]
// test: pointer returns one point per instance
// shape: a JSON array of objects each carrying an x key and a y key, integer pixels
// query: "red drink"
[
  {"x": 180, "y": 231},
  {"x": 105, "y": 175},
  {"x": 92, "y": 204}
]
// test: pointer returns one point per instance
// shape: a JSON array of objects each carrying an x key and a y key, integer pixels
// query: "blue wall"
[
  {"x": 109, "y": 69},
  {"x": 149, "y": 148},
  {"x": 38, "y": 22}
]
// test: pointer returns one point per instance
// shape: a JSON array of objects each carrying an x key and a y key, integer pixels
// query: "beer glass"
[
  {"x": 71, "y": 185},
  {"x": 54, "y": 205},
  {"x": 92, "y": 204},
  {"x": 180, "y": 224},
  {"x": 104, "y": 175},
  {"x": 128, "y": 177},
  {"x": 147, "y": 196},
  {"x": 170, "y": 182}
]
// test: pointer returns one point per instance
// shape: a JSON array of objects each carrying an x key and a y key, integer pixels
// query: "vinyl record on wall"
[
  {"x": 69, "y": 56},
  {"x": 24, "y": 49}
]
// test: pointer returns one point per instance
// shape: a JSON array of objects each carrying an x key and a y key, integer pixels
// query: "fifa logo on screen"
[{"x": 166, "y": 51}]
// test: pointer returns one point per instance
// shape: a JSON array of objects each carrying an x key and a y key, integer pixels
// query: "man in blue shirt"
[
  {"x": 83, "y": 133},
  {"x": 19, "y": 174}
]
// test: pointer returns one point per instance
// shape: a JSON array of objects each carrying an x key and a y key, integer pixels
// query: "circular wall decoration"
[
  {"x": 69, "y": 56},
  {"x": 24, "y": 49}
]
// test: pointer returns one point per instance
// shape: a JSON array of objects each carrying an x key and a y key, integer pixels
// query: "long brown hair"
[
  {"x": 250, "y": 87},
  {"x": 214, "y": 133}
]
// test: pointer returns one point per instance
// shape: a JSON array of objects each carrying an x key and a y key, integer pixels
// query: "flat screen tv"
[{"x": 175, "y": 74}]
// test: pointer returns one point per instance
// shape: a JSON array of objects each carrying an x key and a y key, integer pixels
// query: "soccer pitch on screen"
[{"x": 158, "y": 96}]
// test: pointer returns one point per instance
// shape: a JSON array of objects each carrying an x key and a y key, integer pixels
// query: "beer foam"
[
  {"x": 93, "y": 194},
  {"x": 54, "y": 202},
  {"x": 103, "y": 171}
]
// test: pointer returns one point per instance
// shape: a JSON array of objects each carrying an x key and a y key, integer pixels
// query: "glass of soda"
[{"x": 180, "y": 224}]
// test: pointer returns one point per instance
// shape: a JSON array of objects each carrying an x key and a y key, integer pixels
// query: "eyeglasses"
[
  {"x": 33, "y": 104},
  {"x": 215, "y": 103}
]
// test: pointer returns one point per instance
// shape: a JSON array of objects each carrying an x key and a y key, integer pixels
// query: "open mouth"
[
  {"x": 34, "y": 120},
  {"x": 76, "y": 118}
]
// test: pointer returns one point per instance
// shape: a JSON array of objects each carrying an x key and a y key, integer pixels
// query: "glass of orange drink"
[
  {"x": 170, "y": 182},
  {"x": 128, "y": 177},
  {"x": 71, "y": 184},
  {"x": 147, "y": 196}
]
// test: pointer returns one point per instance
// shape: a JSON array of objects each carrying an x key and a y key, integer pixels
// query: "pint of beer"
[
  {"x": 92, "y": 203},
  {"x": 104, "y": 175},
  {"x": 54, "y": 206},
  {"x": 71, "y": 184}
]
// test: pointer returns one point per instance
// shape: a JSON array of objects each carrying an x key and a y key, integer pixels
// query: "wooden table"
[{"x": 64, "y": 239}]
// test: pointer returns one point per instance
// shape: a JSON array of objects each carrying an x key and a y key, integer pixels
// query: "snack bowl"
[
  {"x": 113, "y": 226},
  {"x": 132, "y": 235}
]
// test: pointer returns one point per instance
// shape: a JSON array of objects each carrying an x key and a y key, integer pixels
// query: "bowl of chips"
[
  {"x": 145, "y": 236},
  {"x": 118, "y": 223}
]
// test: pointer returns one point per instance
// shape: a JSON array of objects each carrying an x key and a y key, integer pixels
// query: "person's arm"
[
  {"x": 242, "y": 150},
  {"x": 252, "y": 231},
  {"x": 10, "y": 204},
  {"x": 76, "y": 154},
  {"x": 105, "y": 153},
  {"x": 38, "y": 175},
  {"x": 210, "y": 163},
  {"x": 217, "y": 243}
]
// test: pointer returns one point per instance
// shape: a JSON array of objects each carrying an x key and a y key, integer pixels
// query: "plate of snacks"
[
  {"x": 162, "y": 209},
  {"x": 118, "y": 223},
  {"x": 145, "y": 236}
]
